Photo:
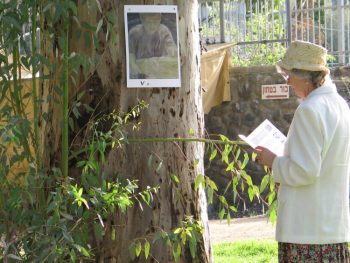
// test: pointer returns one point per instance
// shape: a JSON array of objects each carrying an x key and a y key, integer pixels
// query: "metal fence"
[{"x": 261, "y": 28}]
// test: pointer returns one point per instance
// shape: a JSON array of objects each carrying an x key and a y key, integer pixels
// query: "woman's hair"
[{"x": 317, "y": 78}]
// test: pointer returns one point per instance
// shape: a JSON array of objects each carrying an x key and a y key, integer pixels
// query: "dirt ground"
[{"x": 257, "y": 228}]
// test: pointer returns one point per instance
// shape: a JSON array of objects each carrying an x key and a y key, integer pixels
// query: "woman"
[{"x": 313, "y": 222}]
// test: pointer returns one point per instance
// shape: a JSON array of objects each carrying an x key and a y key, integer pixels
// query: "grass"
[{"x": 246, "y": 252}]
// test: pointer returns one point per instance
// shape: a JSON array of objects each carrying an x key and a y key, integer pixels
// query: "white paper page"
[{"x": 268, "y": 136}]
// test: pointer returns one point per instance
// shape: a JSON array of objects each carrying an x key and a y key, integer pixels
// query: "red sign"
[{"x": 275, "y": 92}]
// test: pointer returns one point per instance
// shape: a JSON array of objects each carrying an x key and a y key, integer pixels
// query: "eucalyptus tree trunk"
[{"x": 172, "y": 112}]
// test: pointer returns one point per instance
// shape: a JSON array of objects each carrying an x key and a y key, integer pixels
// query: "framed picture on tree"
[{"x": 152, "y": 46}]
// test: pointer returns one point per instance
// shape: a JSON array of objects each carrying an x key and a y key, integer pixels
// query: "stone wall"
[{"x": 247, "y": 110}]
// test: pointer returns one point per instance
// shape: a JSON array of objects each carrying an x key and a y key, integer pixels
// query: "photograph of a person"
[{"x": 152, "y": 46}]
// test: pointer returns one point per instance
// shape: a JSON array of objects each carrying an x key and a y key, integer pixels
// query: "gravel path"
[{"x": 257, "y": 228}]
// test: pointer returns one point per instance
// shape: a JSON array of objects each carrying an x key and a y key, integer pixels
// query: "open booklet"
[{"x": 268, "y": 136}]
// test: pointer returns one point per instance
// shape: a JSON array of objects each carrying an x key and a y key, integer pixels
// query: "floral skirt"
[{"x": 309, "y": 253}]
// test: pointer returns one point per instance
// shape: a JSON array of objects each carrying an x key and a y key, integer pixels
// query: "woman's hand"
[{"x": 264, "y": 156}]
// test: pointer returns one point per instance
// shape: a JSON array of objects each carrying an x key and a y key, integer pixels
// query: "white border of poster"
[{"x": 139, "y": 82}]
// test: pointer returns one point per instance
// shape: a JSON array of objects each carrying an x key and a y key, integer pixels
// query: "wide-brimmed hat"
[{"x": 304, "y": 55}]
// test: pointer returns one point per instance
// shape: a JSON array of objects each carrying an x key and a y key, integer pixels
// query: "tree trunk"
[{"x": 172, "y": 112}]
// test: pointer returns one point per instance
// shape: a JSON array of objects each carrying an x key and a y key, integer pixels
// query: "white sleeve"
[{"x": 301, "y": 163}]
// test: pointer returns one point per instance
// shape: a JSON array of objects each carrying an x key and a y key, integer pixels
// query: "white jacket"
[{"x": 313, "y": 196}]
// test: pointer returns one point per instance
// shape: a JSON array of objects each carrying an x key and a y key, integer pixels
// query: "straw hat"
[{"x": 306, "y": 56}]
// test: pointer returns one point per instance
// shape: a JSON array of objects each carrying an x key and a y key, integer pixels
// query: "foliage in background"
[
  {"x": 262, "y": 53},
  {"x": 252, "y": 24},
  {"x": 45, "y": 213},
  {"x": 265, "y": 25}
]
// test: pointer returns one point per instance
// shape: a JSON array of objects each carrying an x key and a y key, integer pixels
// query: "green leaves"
[
  {"x": 235, "y": 159},
  {"x": 264, "y": 183},
  {"x": 137, "y": 247},
  {"x": 210, "y": 184},
  {"x": 147, "y": 248},
  {"x": 174, "y": 178},
  {"x": 187, "y": 235},
  {"x": 199, "y": 181},
  {"x": 213, "y": 154},
  {"x": 82, "y": 250},
  {"x": 77, "y": 194}
]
